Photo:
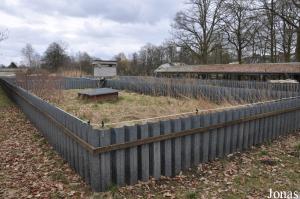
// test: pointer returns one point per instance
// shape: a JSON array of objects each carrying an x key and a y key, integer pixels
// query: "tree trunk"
[
  {"x": 205, "y": 56},
  {"x": 272, "y": 32},
  {"x": 272, "y": 44},
  {"x": 298, "y": 46},
  {"x": 287, "y": 57},
  {"x": 239, "y": 52}
]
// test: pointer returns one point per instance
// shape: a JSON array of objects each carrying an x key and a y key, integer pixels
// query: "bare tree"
[
  {"x": 3, "y": 35},
  {"x": 195, "y": 27},
  {"x": 271, "y": 27},
  {"x": 28, "y": 54},
  {"x": 259, "y": 45},
  {"x": 296, "y": 3},
  {"x": 85, "y": 63},
  {"x": 292, "y": 18},
  {"x": 239, "y": 25},
  {"x": 286, "y": 39},
  {"x": 31, "y": 58}
]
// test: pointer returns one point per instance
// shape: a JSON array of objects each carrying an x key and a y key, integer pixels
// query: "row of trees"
[
  {"x": 56, "y": 58},
  {"x": 149, "y": 57},
  {"x": 206, "y": 32},
  {"x": 223, "y": 31}
]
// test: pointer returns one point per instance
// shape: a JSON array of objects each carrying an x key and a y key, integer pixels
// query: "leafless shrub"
[{"x": 43, "y": 84}]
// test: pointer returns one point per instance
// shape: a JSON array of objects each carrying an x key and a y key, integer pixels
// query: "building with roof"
[
  {"x": 104, "y": 68},
  {"x": 263, "y": 72}
]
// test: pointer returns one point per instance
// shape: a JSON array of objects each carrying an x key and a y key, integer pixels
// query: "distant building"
[
  {"x": 279, "y": 57},
  {"x": 11, "y": 71},
  {"x": 12, "y": 65},
  {"x": 262, "y": 72},
  {"x": 104, "y": 68}
]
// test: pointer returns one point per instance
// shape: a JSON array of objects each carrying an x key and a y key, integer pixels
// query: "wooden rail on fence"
[{"x": 131, "y": 153}]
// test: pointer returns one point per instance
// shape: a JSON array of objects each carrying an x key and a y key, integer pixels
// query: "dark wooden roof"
[
  {"x": 231, "y": 68},
  {"x": 98, "y": 91}
]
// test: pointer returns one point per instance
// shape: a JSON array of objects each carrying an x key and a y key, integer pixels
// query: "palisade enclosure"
[{"x": 125, "y": 155}]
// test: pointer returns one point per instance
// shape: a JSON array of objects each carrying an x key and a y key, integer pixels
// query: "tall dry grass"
[
  {"x": 71, "y": 73},
  {"x": 43, "y": 84},
  {"x": 132, "y": 108},
  {"x": 193, "y": 88}
]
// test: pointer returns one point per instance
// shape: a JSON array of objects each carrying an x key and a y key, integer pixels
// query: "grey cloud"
[
  {"x": 102, "y": 28},
  {"x": 123, "y": 11}
]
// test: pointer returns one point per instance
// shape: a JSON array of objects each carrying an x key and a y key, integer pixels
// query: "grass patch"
[
  {"x": 113, "y": 189},
  {"x": 297, "y": 151},
  {"x": 130, "y": 106},
  {"x": 59, "y": 176},
  {"x": 191, "y": 195},
  {"x": 263, "y": 153},
  {"x": 297, "y": 147},
  {"x": 4, "y": 100},
  {"x": 56, "y": 195}
]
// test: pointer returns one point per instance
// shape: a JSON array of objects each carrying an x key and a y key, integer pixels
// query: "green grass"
[
  {"x": 297, "y": 147},
  {"x": 59, "y": 176},
  {"x": 113, "y": 189},
  {"x": 4, "y": 101},
  {"x": 191, "y": 195},
  {"x": 263, "y": 152}
]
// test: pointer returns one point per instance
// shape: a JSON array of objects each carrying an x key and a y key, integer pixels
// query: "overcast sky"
[{"x": 102, "y": 28}]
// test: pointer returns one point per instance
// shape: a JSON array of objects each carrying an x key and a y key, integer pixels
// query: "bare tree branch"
[
  {"x": 3, "y": 35},
  {"x": 296, "y": 3},
  {"x": 196, "y": 27}
]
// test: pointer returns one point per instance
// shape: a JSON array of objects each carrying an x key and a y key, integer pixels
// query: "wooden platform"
[{"x": 99, "y": 94}]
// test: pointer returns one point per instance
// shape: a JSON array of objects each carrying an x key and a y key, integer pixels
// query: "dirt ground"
[
  {"x": 248, "y": 175},
  {"x": 30, "y": 168},
  {"x": 129, "y": 107}
]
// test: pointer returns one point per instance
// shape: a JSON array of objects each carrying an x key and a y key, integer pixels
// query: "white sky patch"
[{"x": 102, "y": 31}]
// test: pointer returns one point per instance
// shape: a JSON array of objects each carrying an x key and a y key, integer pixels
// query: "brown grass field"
[{"x": 130, "y": 107}]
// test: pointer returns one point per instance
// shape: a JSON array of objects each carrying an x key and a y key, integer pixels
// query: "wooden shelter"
[
  {"x": 99, "y": 94},
  {"x": 262, "y": 72}
]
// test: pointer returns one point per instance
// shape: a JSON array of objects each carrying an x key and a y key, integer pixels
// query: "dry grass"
[
  {"x": 43, "y": 84},
  {"x": 72, "y": 73},
  {"x": 130, "y": 107}
]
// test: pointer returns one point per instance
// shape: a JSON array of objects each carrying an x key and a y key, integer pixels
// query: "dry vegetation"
[
  {"x": 130, "y": 107},
  {"x": 29, "y": 167},
  {"x": 46, "y": 86},
  {"x": 72, "y": 73},
  {"x": 248, "y": 175},
  {"x": 4, "y": 101}
]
